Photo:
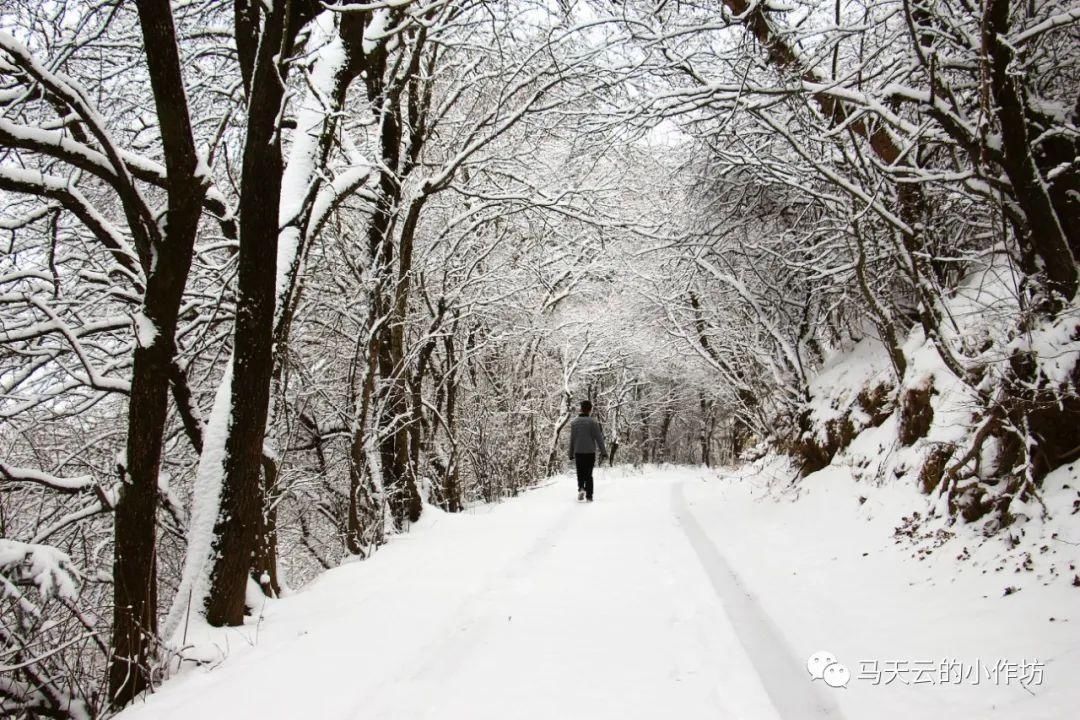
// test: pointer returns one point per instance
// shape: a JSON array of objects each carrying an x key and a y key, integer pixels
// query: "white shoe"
[{"x": 580, "y": 495}]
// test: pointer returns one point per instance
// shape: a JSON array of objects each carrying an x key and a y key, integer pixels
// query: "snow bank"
[
  {"x": 963, "y": 440},
  {"x": 845, "y": 566}
]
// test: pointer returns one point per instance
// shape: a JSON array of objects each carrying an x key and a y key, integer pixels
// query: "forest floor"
[{"x": 680, "y": 592}]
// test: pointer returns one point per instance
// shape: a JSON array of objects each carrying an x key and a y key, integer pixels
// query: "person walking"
[{"x": 586, "y": 437}]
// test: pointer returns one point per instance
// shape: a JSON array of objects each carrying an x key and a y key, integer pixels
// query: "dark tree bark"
[
  {"x": 350, "y": 31},
  {"x": 662, "y": 440},
  {"x": 389, "y": 297},
  {"x": 405, "y": 500},
  {"x": 239, "y": 530},
  {"x": 1045, "y": 235},
  {"x": 451, "y": 477},
  {"x": 359, "y": 464},
  {"x": 417, "y": 429},
  {"x": 706, "y": 430},
  {"x": 246, "y": 20},
  {"x": 383, "y": 251},
  {"x": 134, "y": 561},
  {"x": 264, "y": 564}
]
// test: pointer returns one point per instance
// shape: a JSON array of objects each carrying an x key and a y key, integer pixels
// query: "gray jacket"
[{"x": 586, "y": 436}]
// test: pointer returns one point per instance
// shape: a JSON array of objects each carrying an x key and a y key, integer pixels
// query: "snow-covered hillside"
[
  {"x": 975, "y": 433},
  {"x": 683, "y": 593}
]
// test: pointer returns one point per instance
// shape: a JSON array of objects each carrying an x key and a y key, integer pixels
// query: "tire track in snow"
[{"x": 783, "y": 676}]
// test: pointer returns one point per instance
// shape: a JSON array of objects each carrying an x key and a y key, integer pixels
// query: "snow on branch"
[
  {"x": 43, "y": 566},
  {"x": 1063, "y": 19},
  {"x": 76, "y": 97},
  {"x": 92, "y": 378},
  {"x": 106, "y": 501},
  {"x": 60, "y": 145},
  {"x": 32, "y": 182},
  {"x": 67, "y": 485}
]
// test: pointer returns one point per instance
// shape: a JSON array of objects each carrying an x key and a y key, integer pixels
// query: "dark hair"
[{"x": 586, "y": 407}]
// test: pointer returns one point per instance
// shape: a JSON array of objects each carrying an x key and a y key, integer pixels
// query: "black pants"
[{"x": 584, "y": 463}]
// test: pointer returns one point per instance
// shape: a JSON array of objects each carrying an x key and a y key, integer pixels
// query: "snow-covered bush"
[
  {"x": 43, "y": 633},
  {"x": 42, "y": 567}
]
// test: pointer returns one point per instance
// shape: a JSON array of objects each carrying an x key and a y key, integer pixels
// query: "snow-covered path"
[
  {"x": 602, "y": 611},
  {"x": 539, "y": 607},
  {"x": 680, "y": 593}
]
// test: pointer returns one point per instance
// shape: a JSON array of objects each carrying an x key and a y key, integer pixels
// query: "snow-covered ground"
[
  {"x": 922, "y": 620},
  {"x": 682, "y": 593}
]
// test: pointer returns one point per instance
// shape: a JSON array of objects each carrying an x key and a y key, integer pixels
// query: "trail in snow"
[
  {"x": 679, "y": 593},
  {"x": 608, "y": 615},
  {"x": 783, "y": 676},
  {"x": 537, "y": 608}
]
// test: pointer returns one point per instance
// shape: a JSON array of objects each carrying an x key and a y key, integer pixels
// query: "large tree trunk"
[
  {"x": 450, "y": 490},
  {"x": 361, "y": 510},
  {"x": 134, "y": 556},
  {"x": 452, "y": 484},
  {"x": 264, "y": 563},
  {"x": 405, "y": 498},
  {"x": 1045, "y": 235},
  {"x": 336, "y": 66},
  {"x": 706, "y": 434},
  {"x": 237, "y": 533},
  {"x": 417, "y": 428},
  {"x": 134, "y": 559},
  {"x": 389, "y": 296},
  {"x": 397, "y": 474}
]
